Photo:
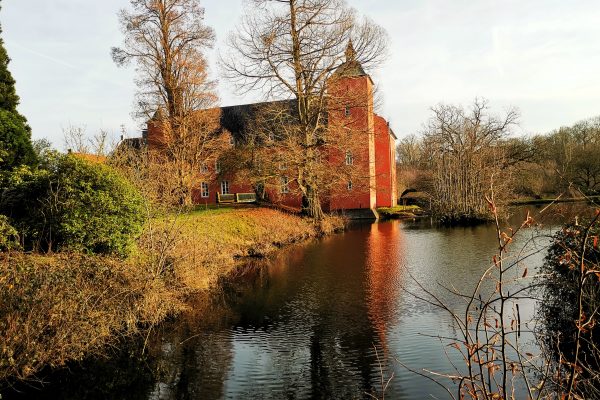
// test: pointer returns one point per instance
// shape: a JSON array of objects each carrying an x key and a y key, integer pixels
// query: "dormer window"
[{"x": 217, "y": 166}]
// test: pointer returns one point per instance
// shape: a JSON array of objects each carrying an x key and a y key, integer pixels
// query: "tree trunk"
[{"x": 311, "y": 204}]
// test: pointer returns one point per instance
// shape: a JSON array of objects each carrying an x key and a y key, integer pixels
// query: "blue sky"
[{"x": 542, "y": 56}]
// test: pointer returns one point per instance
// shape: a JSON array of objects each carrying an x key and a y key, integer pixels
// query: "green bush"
[
  {"x": 9, "y": 237},
  {"x": 74, "y": 205}
]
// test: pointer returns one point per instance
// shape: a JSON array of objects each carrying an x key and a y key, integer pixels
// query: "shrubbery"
[
  {"x": 73, "y": 204},
  {"x": 68, "y": 306},
  {"x": 570, "y": 304},
  {"x": 9, "y": 237}
]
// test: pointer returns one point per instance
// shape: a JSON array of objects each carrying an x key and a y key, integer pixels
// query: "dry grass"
[
  {"x": 63, "y": 307},
  {"x": 201, "y": 246},
  {"x": 66, "y": 306}
]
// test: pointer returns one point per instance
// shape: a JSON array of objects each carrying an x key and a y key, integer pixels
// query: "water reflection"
[
  {"x": 385, "y": 267},
  {"x": 317, "y": 342},
  {"x": 307, "y": 322}
]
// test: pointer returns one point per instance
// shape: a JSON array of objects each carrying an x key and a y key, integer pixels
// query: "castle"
[{"x": 372, "y": 156}]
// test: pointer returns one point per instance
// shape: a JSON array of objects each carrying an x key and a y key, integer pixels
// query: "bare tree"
[
  {"x": 291, "y": 49},
  {"x": 564, "y": 158},
  {"x": 101, "y": 143},
  {"x": 166, "y": 40},
  {"x": 184, "y": 153},
  {"x": 467, "y": 151},
  {"x": 413, "y": 165},
  {"x": 75, "y": 139},
  {"x": 409, "y": 151}
]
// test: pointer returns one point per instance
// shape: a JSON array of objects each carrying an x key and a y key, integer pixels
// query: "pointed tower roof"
[
  {"x": 350, "y": 52},
  {"x": 352, "y": 66}
]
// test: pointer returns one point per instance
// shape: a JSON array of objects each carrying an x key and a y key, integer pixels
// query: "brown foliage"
[
  {"x": 66, "y": 306},
  {"x": 166, "y": 40}
]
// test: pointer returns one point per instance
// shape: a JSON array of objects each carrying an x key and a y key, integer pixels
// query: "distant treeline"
[
  {"x": 464, "y": 155},
  {"x": 566, "y": 158}
]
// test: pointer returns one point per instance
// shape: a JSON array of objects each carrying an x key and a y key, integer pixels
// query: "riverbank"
[
  {"x": 542, "y": 201},
  {"x": 64, "y": 307}
]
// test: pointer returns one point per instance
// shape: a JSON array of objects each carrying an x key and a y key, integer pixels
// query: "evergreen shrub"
[{"x": 74, "y": 205}]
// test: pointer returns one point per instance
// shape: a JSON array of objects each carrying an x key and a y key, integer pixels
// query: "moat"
[{"x": 318, "y": 320}]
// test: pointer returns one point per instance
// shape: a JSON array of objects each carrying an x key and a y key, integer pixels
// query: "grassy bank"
[
  {"x": 200, "y": 246},
  {"x": 63, "y": 307},
  {"x": 399, "y": 212}
]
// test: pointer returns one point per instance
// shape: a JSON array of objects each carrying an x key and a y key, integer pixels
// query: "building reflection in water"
[
  {"x": 384, "y": 266},
  {"x": 310, "y": 320}
]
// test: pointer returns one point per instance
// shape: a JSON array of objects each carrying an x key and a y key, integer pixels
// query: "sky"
[{"x": 541, "y": 56}]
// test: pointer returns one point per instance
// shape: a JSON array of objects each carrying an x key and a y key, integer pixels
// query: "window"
[
  {"x": 349, "y": 158},
  {"x": 224, "y": 187},
  {"x": 217, "y": 166},
  {"x": 231, "y": 140},
  {"x": 347, "y": 111},
  {"x": 204, "y": 168},
  {"x": 204, "y": 189},
  {"x": 285, "y": 184},
  {"x": 349, "y": 185}
]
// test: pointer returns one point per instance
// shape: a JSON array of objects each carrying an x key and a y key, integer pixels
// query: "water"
[
  {"x": 311, "y": 323},
  {"x": 325, "y": 319}
]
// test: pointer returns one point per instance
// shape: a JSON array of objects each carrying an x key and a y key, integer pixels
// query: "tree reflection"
[{"x": 311, "y": 317}]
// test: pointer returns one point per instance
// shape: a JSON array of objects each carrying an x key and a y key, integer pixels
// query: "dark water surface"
[{"x": 324, "y": 319}]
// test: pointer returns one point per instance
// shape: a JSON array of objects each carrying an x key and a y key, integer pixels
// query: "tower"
[{"x": 350, "y": 110}]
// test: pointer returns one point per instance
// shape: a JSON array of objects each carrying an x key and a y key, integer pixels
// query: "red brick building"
[{"x": 373, "y": 155}]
